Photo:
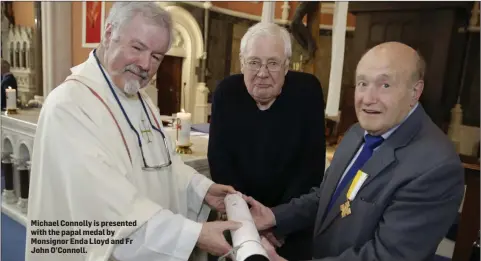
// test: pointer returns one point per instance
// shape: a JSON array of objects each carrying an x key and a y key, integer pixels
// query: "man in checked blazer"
[{"x": 403, "y": 198}]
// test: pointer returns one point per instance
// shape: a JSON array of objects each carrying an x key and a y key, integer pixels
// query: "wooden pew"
[{"x": 469, "y": 222}]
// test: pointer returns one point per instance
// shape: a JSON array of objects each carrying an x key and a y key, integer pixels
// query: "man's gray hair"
[
  {"x": 122, "y": 13},
  {"x": 266, "y": 29}
]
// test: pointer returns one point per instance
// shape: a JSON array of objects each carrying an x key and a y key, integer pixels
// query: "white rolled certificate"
[{"x": 245, "y": 240}]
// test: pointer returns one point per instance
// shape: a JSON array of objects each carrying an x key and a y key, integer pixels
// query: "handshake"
[{"x": 212, "y": 240}]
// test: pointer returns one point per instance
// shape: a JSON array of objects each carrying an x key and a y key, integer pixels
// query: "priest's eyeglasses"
[
  {"x": 166, "y": 151},
  {"x": 166, "y": 148},
  {"x": 256, "y": 65}
]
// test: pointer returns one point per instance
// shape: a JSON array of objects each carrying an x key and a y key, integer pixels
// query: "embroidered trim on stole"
[
  {"x": 153, "y": 116},
  {"x": 111, "y": 114}
]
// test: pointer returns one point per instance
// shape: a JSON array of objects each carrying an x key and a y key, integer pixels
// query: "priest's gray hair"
[
  {"x": 266, "y": 29},
  {"x": 121, "y": 13}
]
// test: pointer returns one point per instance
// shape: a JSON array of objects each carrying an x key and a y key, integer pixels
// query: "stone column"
[
  {"x": 202, "y": 91},
  {"x": 207, "y": 6},
  {"x": 57, "y": 43},
  {"x": 24, "y": 177},
  {"x": 8, "y": 193},
  {"x": 268, "y": 9},
  {"x": 36, "y": 64},
  {"x": 337, "y": 58},
  {"x": 5, "y": 25}
]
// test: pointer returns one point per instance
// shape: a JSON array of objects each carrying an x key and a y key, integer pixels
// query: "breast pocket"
[{"x": 365, "y": 216}]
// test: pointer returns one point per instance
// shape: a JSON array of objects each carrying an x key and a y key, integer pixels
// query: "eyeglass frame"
[
  {"x": 169, "y": 160},
  {"x": 146, "y": 166},
  {"x": 281, "y": 65}
]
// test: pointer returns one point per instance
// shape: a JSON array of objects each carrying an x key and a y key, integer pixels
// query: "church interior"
[{"x": 43, "y": 40}]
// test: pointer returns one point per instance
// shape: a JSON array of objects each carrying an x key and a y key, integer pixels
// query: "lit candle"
[
  {"x": 11, "y": 95},
  {"x": 183, "y": 128}
]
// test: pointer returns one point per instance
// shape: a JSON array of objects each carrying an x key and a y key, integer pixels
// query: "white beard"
[{"x": 131, "y": 87}]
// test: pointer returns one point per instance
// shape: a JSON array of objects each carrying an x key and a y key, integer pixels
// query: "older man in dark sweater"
[{"x": 267, "y": 128}]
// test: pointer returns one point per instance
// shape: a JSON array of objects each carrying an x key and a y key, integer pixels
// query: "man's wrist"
[
  {"x": 277, "y": 228},
  {"x": 274, "y": 222}
]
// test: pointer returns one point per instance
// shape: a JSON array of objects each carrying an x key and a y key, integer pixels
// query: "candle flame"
[
  {"x": 182, "y": 110},
  {"x": 9, "y": 87}
]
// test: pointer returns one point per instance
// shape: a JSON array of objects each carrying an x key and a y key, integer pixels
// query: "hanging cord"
[{"x": 233, "y": 252}]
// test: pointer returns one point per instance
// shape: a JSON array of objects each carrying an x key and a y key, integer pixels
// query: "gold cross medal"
[
  {"x": 345, "y": 209},
  {"x": 352, "y": 192}
]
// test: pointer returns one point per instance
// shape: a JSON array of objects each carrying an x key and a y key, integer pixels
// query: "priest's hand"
[
  {"x": 216, "y": 194},
  {"x": 211, "y": 238},
  {"x": 271, "y": 252},
  {"x": 263, "y": 216}
]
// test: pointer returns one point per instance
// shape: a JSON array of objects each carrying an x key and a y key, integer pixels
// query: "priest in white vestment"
[{"x": 106, "y": 183}]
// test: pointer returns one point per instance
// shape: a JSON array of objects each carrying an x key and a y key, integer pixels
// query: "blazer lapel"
[
  {"x": 347, "y": 149},
  {"x": 380, "y": 160},
  {"x": 335, "y": 210}
]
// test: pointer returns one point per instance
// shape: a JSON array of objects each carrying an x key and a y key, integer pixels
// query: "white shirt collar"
[{"x": 390, "y": 131}]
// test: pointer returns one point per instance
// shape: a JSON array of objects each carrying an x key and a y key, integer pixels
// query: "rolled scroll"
[{"x": 246, "y": 241}]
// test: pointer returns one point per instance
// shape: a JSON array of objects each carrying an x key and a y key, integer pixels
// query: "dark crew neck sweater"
[{"x": 272, "y": 155}]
